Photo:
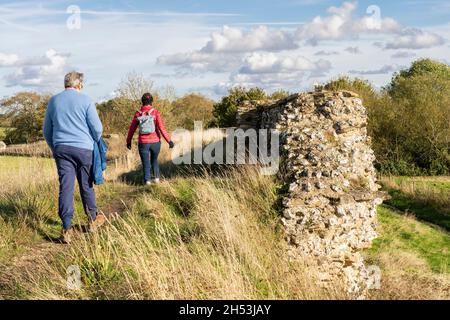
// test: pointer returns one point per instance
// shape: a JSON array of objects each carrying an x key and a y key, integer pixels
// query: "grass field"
[
  {"x": 23, "y": 172},
  {"x": 427, "y": 198},
  {"x": 199, "y": 236}
]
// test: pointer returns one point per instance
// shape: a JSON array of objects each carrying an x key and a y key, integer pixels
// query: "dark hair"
[{"x": 147, "y": 99}]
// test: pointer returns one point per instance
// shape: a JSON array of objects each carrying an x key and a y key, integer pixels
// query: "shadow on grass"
[
  {"x": 422, "y": 210},
  {"x": 33, "y": 212},
  {"x": 170, "y": 170}
]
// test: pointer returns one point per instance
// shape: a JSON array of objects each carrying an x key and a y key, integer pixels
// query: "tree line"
[{"x": 409, "y": 118}]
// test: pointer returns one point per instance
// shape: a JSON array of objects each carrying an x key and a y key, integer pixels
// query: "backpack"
[{"x": 146, "y": 122}]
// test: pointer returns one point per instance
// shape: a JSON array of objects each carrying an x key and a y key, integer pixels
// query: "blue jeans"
[
  {"x": 74, "y": 162},
  {"x": 149, "y": 156}
]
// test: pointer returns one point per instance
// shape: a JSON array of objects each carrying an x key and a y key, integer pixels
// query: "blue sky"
[{"x": 210, "y": 46}]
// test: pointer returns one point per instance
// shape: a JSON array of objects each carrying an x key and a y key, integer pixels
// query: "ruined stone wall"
[{"x": 330, "y": 210}]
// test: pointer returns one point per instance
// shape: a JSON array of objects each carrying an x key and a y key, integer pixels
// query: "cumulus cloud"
[
  {"x": 383, "y": 70},
  {"x": 342, "y": 24},
  {"x": 415, "y": 39},
  {"x": 46, "y": 71},
  {"x": 231, "y": 39},
  {"x": 269, "y": 81},
  {"x": 258, "y": 63},
  {"x": 198, "y": 61},
  {"x": 273, "y": 72},
  {"x": 8, "y": 60},
  {"x": 259, "y": 56},
  {"x": 225, "y": 49}
]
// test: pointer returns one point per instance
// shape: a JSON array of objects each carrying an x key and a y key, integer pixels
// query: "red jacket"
[{"x": 152, "y": 137}]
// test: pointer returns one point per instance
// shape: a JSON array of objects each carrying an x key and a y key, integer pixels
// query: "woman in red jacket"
[{"x": 149, "y": 143}]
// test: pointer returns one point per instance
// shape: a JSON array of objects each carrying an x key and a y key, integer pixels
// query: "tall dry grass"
[
  {"x": 198, "y": 238},
  {"x": 207, "y": 236}
]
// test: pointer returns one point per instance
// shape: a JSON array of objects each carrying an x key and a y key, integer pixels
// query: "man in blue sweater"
[{"x": 71, "y": 128}]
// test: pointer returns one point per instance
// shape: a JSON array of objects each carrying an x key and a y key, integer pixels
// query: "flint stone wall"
[{"x": 325, "y": 157}]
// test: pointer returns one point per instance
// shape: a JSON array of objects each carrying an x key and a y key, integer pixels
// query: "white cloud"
[
  {"x": 273, "y": 72},
  {"x": 248, "y": 56},
  {"x": 8, "y": 60},
  {"x": 415, "y": 39},
  {"x": 225, "y": 49},
  {"x": 198, "y": 61},
  {"x": 270, "y": 81},
  {"x": 341, "y": 24},
  {"x": 47, "y": 71},
  {"x": 258, "y": 63},
  {"x": 231, "y": 39},
  {"x": 195, "y": 51}
]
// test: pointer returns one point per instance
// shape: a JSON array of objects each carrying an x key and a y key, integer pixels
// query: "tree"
[
  {"x": 116, "y": 114},
  {"x": 26, "y": 111},
  {"x": 133, "y": 86},
  {"x": 190, "y": 108},
  {"x": 421, "y": 67},
  {"x": 421, "y": 108},
  {"x": 421, "y": 100},
  {"x": 409, "y": 120}
]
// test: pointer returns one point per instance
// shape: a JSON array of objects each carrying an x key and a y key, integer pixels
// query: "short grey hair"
[{"x": 73, "y": 79}]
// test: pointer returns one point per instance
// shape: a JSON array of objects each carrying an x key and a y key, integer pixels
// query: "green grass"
[
  {"x": 427, "y": 198},
  {"x": 440, "y": 183},
  {"x": 19, "y": 170},
  {"x": 29, "y": 203},
  {"x": 399, "y": 233}
]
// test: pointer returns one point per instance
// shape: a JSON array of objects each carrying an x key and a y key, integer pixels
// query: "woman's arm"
[
  {"x": 132, "y": 130},
  {"x": 161, "y": 128}
]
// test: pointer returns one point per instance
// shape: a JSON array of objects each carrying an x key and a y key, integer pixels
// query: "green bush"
[{"x": 225, "y": 111}]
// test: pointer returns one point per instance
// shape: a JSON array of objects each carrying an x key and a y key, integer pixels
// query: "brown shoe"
[
  {"x": 66, "y": 236},
  {"x": 97, "y": 223}
]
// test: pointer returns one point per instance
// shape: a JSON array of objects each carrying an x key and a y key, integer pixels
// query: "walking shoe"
[
  {"x": 97, "y": 223},
  {"x": 66, "y": 236},
  {"x": 156, "y": 180},
  {"x": 148, "y": 183}
]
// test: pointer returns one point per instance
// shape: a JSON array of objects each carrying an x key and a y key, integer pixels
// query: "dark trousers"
[
  {"x": 74, "y": 162},
  {"x": 149, "y": 156}
]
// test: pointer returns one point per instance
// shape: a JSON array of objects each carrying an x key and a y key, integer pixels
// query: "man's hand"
[
  {"x": 171, "y": 144},
  {"x": 129, "y": 146}
]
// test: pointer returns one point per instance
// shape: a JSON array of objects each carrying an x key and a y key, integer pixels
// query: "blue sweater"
[{"x": 71, "y": 119}]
